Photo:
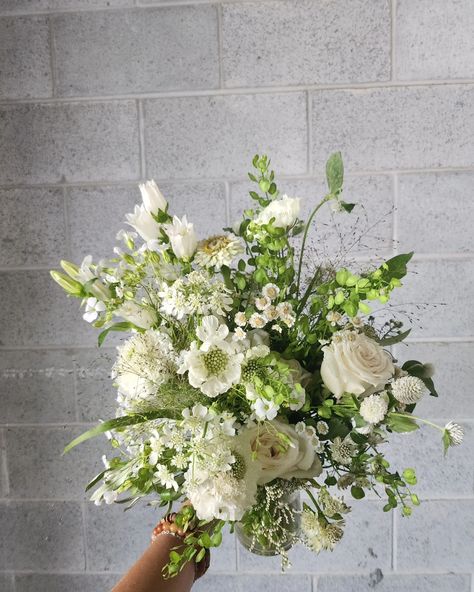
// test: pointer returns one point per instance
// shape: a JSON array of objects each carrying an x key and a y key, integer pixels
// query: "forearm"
[{"x": 147, "y": 575}]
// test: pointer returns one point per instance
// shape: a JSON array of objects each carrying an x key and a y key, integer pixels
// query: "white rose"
[
  {"x": 353, "y": 363},
  {"x": 182, "y": 237},
  {"x": 288, "y": 458},
  {"x": 144, "y": 223},
  {"x": 285, "y": 211},
  {"x": 152, "y": 197}
]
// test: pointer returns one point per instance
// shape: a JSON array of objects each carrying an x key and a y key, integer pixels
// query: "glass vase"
[{"x": 289, "y": 510}]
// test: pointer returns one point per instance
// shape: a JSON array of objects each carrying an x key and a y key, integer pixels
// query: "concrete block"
[{"x": 394, "y": 583}]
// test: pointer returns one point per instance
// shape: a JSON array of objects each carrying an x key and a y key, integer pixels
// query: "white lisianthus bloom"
[
  {"x": 144, "y": 223},
  {"x": 182, "y": 237},
  {"x": 93, "y": 308},
  {"x": 353, "y": 362},
  {"x": 284, "y": 212},
  {"x": 215, "y": 365},
  {"x": 374, "y": 408},
  {"x": 152, "y": 197},
  {"x": 282, "y": 452},
  {"x": 140, "y": 316}
]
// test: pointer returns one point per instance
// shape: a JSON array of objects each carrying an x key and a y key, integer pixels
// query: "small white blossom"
[
  {"x": 270, "y": 313},
  {"x": 322, "y": 428},
  {"x": 455, "y": 433},
  {"x": 93, "y": 308},
  {"x": 165, "y": 477},
  {"x": 240, "y": 319},
  {"x": 239, "y": 334},
  {"x": 271, "y": 291},
  {"x": 265, "y": 409},
  {"x": 262, "y": 303},
  {"x": 257, "y": 321}
]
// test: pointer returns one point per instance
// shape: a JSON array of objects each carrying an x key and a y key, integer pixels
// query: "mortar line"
[
  {"x": 141, "y": 137},
  {"x": 208, "y": 180},
  {"x": 4, "y": 462},
  {"x": 52, "y": 57},
  {"x": 393, "y": 32},
  {"x": 395, "y": 242},
  {"x": 260, "y": 90},
  {"x": 220, "y": 51},
  {"x": 309, "y": 133}
]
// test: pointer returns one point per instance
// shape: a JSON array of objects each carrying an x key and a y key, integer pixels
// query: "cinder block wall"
[{"x": 96, "y": 95}]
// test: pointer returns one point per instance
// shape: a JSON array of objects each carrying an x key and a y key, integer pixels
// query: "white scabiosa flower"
[
  {"x": 215, "y": 365},
  {"x": 408, "y": 389},
  {"x": 342, "y": 451},
  {"x": 217, "y": 251},
  {"x": 152, "y": 197},
  {"x": 319, "y": 535},
  {"x": 454, "y": 434},
  {"x": 373, "y": 408},
  {"x": 93, "y": 308},
  {"x": 182, "y": 237},
  {"x": 271, "y": 291}
]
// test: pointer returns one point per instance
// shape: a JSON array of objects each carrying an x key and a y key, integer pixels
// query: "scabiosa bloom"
[
  {"x": 343, "y": 450},
  {"x": 319, "y": 534},
  {"x": 408, "y": 389},
  {"x": 217, "y": 251},
  {"x": 215, "y": 365},
  {"x": 373, "y": 408}
]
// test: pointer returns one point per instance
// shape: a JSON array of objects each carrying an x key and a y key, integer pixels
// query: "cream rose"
[
  {"x": 292, "y": 456},
  {"x": 353, "y": 363}
]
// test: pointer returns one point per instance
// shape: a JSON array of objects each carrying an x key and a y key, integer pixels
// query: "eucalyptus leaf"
[{"x": 335, "y": 173}]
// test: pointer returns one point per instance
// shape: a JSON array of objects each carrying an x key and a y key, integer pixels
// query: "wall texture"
[{"x": 98, "y": 94}]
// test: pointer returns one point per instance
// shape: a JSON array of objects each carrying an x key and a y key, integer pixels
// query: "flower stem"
[{"x": 430, "y": 423}]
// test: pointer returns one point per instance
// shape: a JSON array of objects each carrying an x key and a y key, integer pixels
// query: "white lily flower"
[
  {"x": 152, "y": 197},
  {"x": 182, "y": 237},
  {"x": 144, "y": 223}
]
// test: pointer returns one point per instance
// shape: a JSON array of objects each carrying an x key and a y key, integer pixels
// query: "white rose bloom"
[
  {"x": 374, "y": 408},
  {"x": 144, "y": 223},
  {"x": 295, "y": 458},
  {"x": 152, "y": 197},
  {"x": 353, "y": 362},
  {"x": 140, "y": 316},
  {"x": 285, "y": 212},
  {"x": 182, "y": 237}
]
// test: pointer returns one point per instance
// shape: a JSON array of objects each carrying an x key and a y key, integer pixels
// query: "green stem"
[
  {"x": 430, "y": 423},
  {"x": 305, "y": 236}
]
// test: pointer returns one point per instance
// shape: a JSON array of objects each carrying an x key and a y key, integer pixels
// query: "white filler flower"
[{"x": 374, "y": 408}]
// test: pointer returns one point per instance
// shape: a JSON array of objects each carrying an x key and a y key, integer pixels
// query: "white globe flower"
[
  {"x": 353, "y": 362},
  {"x": 152, "y": 197},
  {"x": 284, "y": 212},
  {"x": 373, "y": 408},
  {"x": 408, "y": 389},
  {"x": 182, "y": 237}
]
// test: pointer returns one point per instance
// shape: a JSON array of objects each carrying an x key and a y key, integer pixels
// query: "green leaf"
[
  {"x": 394, "y": 339},
  {"x": 397, "y": 266},
  {"x": 200, "y": 555},
  {"x": 96, "y": 480},
  {"x": 357, "y": 492},
  {"x": 401, "y": 423},
  {"x": 335, "y": 172},
  {"x": 216, "y": 539},
  {"x": 118, "y": 423},
  {"x": 348, "y": 207},
  {"x": 122, "y": 326}
]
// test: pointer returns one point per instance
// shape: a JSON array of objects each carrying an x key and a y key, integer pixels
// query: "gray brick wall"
[{"x": 98, "y": 94}]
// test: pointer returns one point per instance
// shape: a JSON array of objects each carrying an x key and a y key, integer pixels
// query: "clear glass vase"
[{"x": 289, "y": 510}]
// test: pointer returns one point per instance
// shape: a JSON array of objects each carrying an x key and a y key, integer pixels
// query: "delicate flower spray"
[{"x": 244, "y": 380}]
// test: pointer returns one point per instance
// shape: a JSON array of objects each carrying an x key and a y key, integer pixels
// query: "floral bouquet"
[{"x": 247, "y": 381}]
